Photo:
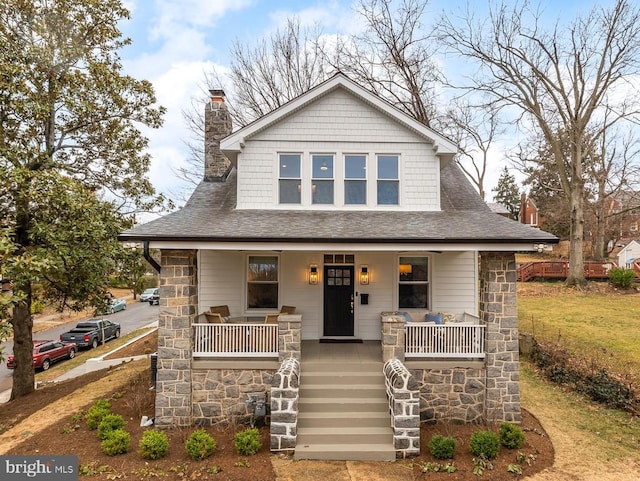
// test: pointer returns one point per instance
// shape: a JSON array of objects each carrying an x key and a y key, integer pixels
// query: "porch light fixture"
[
  {"x": 364, "y": 275},
  {"x": 313, "y": 274}
]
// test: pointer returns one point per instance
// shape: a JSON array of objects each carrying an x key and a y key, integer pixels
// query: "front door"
[{"x": 338, "y": 300}]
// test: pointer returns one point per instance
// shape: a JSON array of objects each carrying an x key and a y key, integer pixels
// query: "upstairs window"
[
  {"x": 289, "y": 183},
  {"x": 262, "y": 282},
  {"x": 355, "y": 179},
  {"x": 413, "y": 282},
  {"x": 322, "y": 179},
  {"x": 388, "y": 182}
]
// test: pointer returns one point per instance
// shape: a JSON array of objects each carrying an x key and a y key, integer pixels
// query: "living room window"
[
  {"x": 290, "y": 180},
  {"x": 322, "y": 179},
  {"x": 355, "y": 179},
  {"x": 388, "y": 181},
  {"x": 262, "y": 282},
  {"x": 413, "y": 282}
]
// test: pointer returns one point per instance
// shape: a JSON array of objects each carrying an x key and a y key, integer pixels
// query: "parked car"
[
  {"x": 115, "y": 305},
  {"x": 47, "y": 352},
  {"x": 154, "y": 300},
  {"x": 147, "y": 294},
  {"x": 90, "y": 333}
]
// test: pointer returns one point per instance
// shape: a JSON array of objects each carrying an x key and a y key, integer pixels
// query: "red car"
[{"x": 47, "y": 352}]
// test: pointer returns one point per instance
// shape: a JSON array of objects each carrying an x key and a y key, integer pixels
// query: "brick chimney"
[{"x": 217, "y": 125}]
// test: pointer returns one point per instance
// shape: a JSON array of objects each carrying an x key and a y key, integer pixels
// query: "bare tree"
[
  {"x": 394, "y": 58},
  {"x": 474, "y": 128},
  {"x": 558, "y": 79}
]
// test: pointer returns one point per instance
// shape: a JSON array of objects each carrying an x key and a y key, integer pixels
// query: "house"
[
  {"x": 343, "y": 206},
  {"x": 528, "y": 211},
  {"x": 629, "y": 255}
]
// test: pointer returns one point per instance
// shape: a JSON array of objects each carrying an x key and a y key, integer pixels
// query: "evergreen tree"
[{"x": 508, "y": 194}]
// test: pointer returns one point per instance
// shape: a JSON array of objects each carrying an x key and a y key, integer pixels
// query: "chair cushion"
[{"x": 437, "y": 318}]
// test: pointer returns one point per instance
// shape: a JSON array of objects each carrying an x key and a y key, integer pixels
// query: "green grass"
[{"x": 589, "y": 321}]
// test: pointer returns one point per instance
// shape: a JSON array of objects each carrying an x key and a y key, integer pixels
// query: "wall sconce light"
[
  {"x": 364, "y": 275},
  {"x": 313, "y": 274}
]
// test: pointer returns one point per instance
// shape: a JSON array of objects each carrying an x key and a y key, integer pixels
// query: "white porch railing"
[
  {"x": 235, "y": 340},
  {"x": 429, "y": 341}
]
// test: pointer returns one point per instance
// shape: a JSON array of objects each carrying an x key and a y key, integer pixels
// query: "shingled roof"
[{"x": 210, "y": 216}]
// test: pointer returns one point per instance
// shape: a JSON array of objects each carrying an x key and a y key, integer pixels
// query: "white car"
[{"x": 148, "y": 293}]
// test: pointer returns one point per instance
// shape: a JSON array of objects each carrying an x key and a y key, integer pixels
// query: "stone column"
[
  {"x": 404, "y": 404},
  {"x": 499, "y": 311},
  {"x": 393, "y": 332},
  {"x": 285, "y": 388},
  {"x": 178, "y": 304},
  {"x": 289, "y": 336}
]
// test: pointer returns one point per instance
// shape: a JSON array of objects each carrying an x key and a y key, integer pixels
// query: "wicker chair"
[
  {"x": 218, "y": 314},
  {"x": 288, "y": 310}
]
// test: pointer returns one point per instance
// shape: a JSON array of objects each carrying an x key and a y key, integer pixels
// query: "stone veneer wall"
[
  {"x": 178, "y": 304},
  {"x": 393, "y": 336},
  {"x": 289, "y": 336},
  {"x": 220, "y": 395},
  {"x": 404, "y": 405},
  {"x": 285, "y": 392},
  {"x": 451, "y": 394},
  {"x": 499, "y": 311}
]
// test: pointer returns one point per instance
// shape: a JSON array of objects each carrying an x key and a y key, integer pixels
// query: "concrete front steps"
[{"x": 344, "y": 413}]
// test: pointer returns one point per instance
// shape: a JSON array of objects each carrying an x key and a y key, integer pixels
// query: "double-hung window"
[
  {"x": 262, "y": 282},
  {"x": 289, "y": 180},
  {"x": 322, "y": 179},
  {"x": 388, "y": 181},
  {"x": 413, "y": 282},
  {"x": 355, "y": 179}
]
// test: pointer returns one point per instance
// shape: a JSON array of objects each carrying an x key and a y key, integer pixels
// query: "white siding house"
[{"x": 355, "y": 216}]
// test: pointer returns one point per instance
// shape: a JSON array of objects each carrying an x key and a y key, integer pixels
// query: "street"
[{"x": 137, "y": 315}]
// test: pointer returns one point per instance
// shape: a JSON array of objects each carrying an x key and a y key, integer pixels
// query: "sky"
[{"x": 176, "y": 42}]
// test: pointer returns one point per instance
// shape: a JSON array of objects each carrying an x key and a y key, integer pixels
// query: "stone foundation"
[
  {"x": 220, "y": 395},
  {"x": 455, "y": 395}
]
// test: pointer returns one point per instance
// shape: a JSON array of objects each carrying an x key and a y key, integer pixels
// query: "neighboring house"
[
  {"x": 629, "y": 254},
  {"x": 343, "y": 206},
  {"x": 528, "y": 211}
]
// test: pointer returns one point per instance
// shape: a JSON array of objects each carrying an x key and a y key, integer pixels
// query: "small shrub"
[
  {"x": 109, "y": 423},
  {"x": 485, "y": 444},
  {"x": 621, "y": 277},
  {"x": 247, "y": 442},
  {"x": 442, "y": 447},
  {"x": 153, "y": 445},
  {"x": 511, "y": 436},
  {"x": 200, "y": 445},
  {"x": 37, "y": 306},
  {"x": 118, "y": 442},
  {"x": 97, "y": 411}
]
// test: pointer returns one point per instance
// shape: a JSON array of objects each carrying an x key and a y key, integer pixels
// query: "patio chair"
[
  {"x": 218, "y": 314},
  {"x": 271, "y": 318},
  {"x": 288, "y": 310}
]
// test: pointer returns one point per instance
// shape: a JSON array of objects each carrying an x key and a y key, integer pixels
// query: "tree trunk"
[
  {"x": 599, "y": 244},
  {"x": 576, "y": 237},
  {"x": 23, "y": 374}
]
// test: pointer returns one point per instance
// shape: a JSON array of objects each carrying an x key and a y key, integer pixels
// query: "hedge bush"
[
  {"x": 117, "y": 442},
  {"x": 442, "y": 447},
  {"x": 247, "y": 442},
  {"x": 200, "y": 445},
  {"x": 109, "y": 423},
  {"x": 153, "y": 444},
  {"x": 98, "y": 410},
  {"x": 621, "y": 277},
  {"x": 485, "y": 443},
  {"x": 511, "y": 436}
]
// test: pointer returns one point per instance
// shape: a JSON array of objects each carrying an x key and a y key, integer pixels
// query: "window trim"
[
  {"x": 364, "y": 179},
  {"x": 332, "y": 179},
  {"x": 378, "y": 179},
  {"x": 299, "y": 179}
]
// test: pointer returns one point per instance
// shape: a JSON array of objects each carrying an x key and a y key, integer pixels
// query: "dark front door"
[{"x": 338, "y": 300}]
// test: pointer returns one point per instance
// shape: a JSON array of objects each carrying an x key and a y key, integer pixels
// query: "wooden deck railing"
[
  {"x": 235, "y": 340},
  {"x": 426, "y": 341},
  {"x": 560, "y": 270}
]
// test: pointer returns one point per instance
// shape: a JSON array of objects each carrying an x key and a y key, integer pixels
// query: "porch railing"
[
  {"x": 235, "y": 340},
  {"x": 428, "y": 341}
]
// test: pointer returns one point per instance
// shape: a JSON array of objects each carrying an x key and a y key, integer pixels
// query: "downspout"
[{"x": 147, "y": 255}]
